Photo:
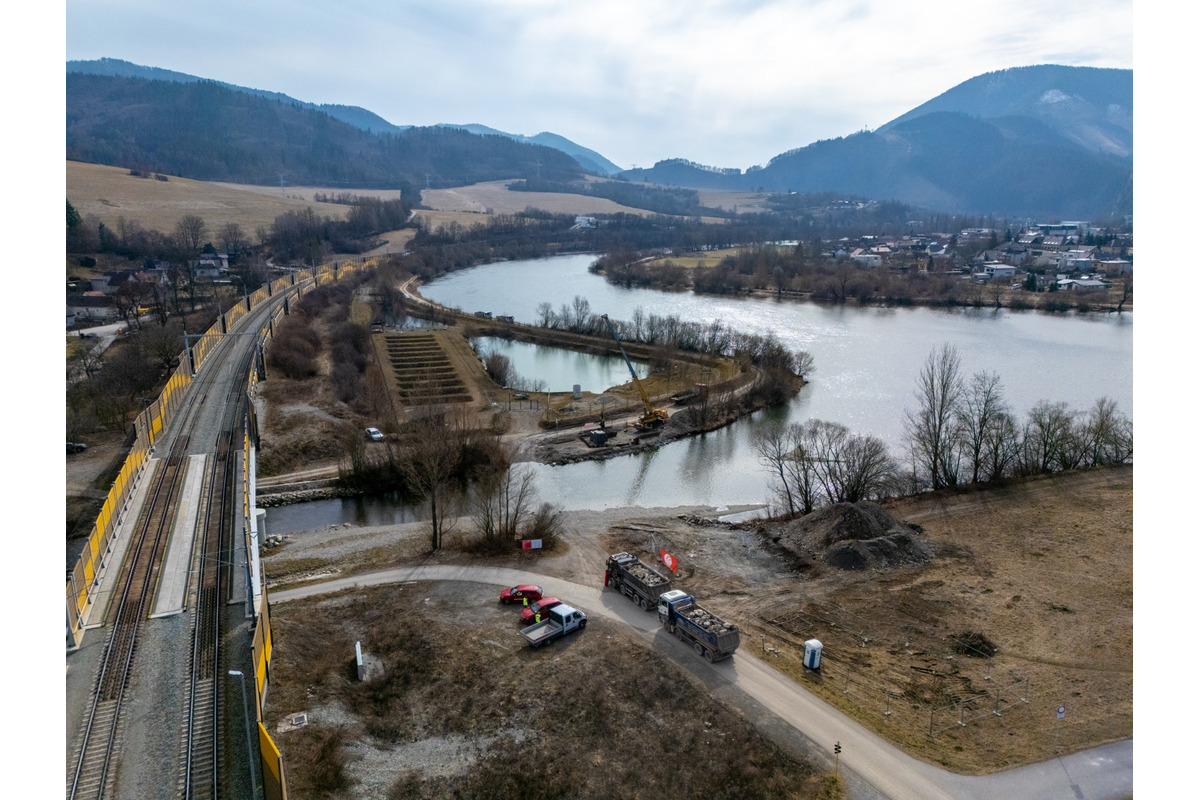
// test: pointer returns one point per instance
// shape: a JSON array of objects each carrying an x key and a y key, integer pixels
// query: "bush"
[
  {"x": 294, "y": 349},
  {"x": 547, "y": 524}
]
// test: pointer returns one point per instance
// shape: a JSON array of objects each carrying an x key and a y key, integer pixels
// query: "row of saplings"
[{"x": 678, "y": 612}]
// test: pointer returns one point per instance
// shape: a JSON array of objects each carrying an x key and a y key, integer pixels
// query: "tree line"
[
  {"x": 713, "y": 339},
  {"x": 962, "y": 431}
]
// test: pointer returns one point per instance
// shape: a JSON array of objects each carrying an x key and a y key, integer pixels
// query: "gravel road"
[{"x": 1105, "y": 773}]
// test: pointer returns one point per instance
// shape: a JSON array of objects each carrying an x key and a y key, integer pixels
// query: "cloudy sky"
[{"x": 726, "y": 83}]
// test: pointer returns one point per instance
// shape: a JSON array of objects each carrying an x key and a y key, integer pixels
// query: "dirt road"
[{"x": 1103, "y": 774}]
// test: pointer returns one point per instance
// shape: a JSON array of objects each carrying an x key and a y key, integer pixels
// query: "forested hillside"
[{"x": 205, "y": 131}]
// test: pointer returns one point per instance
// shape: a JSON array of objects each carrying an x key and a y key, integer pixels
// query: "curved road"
[{"x": 1104, "y": 773}]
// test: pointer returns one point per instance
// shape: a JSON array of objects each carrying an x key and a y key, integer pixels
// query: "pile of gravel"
[{"x": 853, "y": 536}]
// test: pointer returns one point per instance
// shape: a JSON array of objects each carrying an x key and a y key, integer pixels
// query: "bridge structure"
[{"x": 170, "y": 574}]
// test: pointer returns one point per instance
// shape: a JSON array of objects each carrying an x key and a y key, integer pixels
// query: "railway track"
[
  {"x": 200, "y": 773},
  {"x": 95, "y": 760}
]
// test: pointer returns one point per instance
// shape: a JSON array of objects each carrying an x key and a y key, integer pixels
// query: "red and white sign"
[
  {"x": 668, "y": 560},
  {"x": 531, "y": 544}
]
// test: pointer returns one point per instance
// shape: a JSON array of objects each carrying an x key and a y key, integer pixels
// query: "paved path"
[{"x": 1104, "y": 773}]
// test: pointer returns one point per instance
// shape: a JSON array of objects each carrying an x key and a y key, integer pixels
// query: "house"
[
  {"x": 1081, "y": 285},
  {"x": 209, "y": 266},
  {"x": 867, "y": 259},
  {"x": 113, "y": 281},
  {"x": 585, "y": 222},
  {"x": 1114, "y": 266},
  {"x": 1076, "y": 260},
  {"x": 995, "y": 269},
  {"x": 91, "y": 307}
]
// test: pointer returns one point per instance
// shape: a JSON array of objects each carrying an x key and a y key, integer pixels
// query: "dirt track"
[{"x": 1042, "y": 569}]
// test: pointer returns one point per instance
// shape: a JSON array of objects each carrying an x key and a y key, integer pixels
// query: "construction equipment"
[
  {"x": 639, "y": 582},
  {"x": 709, "y": 635},
  {"x": 652, "y": 417}
]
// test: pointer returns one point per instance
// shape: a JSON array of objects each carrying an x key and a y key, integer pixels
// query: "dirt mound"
[{"x": 853, "y": 536}]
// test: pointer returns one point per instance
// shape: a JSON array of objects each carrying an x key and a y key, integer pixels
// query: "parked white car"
[{"x": 374, "y": 434}]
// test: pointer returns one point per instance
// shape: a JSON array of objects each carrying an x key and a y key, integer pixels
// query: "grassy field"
[
  {"x": 710, "y": 259},
  {"x": 744, "y": 202},
  {"x": 111, "y": 193},
  {"x": 456, "y": 705},
  {"x": 493, "y": 198}
]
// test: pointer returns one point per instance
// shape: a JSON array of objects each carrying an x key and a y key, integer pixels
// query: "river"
[{"x": 867, "y": 362}]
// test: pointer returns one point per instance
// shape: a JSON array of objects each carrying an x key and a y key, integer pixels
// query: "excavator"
[{"x": 653, "y": 417}]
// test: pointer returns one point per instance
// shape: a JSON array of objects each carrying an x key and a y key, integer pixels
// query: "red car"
[
  {"x": 529, "y": 614},
  {"x": 521, "y": 593}
]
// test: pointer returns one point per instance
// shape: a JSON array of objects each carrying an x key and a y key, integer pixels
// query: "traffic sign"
[{"x": 1062, "y": 711}]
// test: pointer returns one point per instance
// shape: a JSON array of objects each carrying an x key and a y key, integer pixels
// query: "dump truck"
[
  {"x": 709, "y": 635},
  {"x": 640, "y": 582},
  {"x": 561, "y": 620}
]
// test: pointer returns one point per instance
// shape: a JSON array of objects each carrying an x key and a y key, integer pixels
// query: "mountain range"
[
  {"x": 1040, "y": 141},
  {"x": 1043, "y": 141}
]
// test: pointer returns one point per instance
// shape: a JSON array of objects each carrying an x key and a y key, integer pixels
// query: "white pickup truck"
[{"x": 562, "y": 620}]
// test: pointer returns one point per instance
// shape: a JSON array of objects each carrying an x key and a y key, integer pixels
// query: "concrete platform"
[{"x": 175, "y": 574}]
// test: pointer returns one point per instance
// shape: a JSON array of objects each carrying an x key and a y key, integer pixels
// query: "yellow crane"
[{"x": 652, "y": 417}]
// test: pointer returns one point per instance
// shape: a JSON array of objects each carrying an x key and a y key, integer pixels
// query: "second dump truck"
[
  {"x": 640, "y": 582},
  {"x": 709, "y": 635}
]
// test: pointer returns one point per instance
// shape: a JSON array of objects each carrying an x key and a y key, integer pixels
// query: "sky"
[{"x": 729, "y": 83}]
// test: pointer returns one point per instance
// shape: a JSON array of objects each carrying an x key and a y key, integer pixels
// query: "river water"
[{"x": 867, "y": 363}]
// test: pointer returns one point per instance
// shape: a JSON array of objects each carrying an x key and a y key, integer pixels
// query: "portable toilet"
[
  {"x": 812, "y": 654},
  {"x": 577, "y": 392}
]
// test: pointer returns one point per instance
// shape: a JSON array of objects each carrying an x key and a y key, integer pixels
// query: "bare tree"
[
  {"x": 995, "y": 290},
  {"x": 933, "y": 427},
  {"x": 580, "y": 311},
  {"x": 1002, "y": 445},
  {"x": 821, "y": 462},
  {"x": 164, "y": 344},
  {"x": 498, "y": 367},
  {"x": 865, "y": 469},
  {"x": 1048, "y": 430},
  {"x": 233, "y": 240},
  {"x": 190, "y": 232},
  {"x": 428, "y": 464},
  {"x": 803, "y": 363},
  {"x": 502, "y": 505},
  {"x": 1126, "y": 292},
  {"x": 1109, "y": 434},
  {"x": 545, "y": 315},
  {"x": 776, "y": 446},
  {"x": 85, "y": 358},
  {"x": 979, "y": 414}
]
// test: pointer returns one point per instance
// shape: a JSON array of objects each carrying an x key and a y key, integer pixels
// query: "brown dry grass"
[
  {"x": 493, "y": 197},
  {"x": 456, "y": 704},
  {"x": 111, "y": 193},
  {"x": 744, "y": 202},
  {"x": 707, "y": 259},
  {"x": 1043, "y": 569}
]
